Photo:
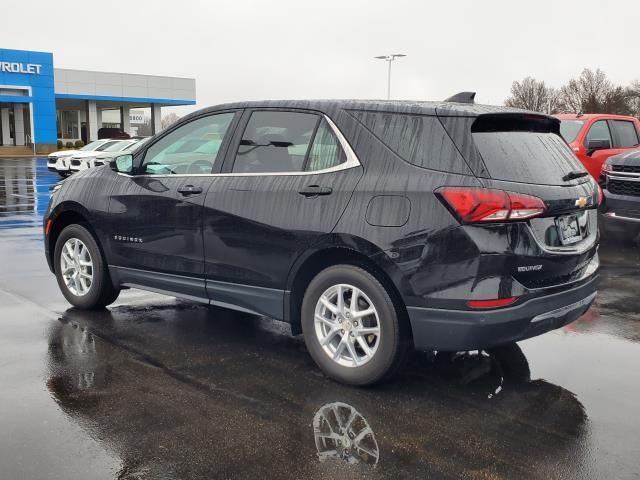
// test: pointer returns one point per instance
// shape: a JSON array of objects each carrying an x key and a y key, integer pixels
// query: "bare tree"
[
  {"x": 593, "y": 92},
  {"x": 633, "y": 98},
  {"x": 169, "y": 119},
  {"x": 531, "y": 94}
]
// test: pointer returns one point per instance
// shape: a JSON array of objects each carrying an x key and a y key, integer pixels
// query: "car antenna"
[{"x": 462, "y": 97}]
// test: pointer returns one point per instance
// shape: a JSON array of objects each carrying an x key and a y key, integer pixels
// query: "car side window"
[
  {"x": 326, "y": 151},
  {"x": 598, "y": 131},
  {"x": 626, "y": 133},
  {"x": 190, "y": 149},
  {"x": 275, "y": 141}
]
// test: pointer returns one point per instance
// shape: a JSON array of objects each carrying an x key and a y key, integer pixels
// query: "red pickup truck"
[{"x": 594, "y": 137}]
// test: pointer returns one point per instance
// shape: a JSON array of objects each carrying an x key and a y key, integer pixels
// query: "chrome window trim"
[{"x": 352, "y": 162}]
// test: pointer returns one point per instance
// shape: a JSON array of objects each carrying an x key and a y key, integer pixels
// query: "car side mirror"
[
  {"x": 122, "y": 164},
  {"x": 594, "y": 145}
]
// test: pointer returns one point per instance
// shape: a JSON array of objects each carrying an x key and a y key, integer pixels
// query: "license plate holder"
[{"x": 568, "y": 229}]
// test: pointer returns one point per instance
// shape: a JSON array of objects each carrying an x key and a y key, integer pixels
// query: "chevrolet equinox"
[{"x": 371, "y": 227}]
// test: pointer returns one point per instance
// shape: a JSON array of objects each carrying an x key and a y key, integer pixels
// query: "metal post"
[
  {"x": 389, "y": 59},
  {"x": 389, "y": 80}
]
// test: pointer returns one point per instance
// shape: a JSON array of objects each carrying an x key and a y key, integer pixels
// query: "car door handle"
[
  {"x": 189, "y": 190},
  {"x": 315, "y": 190}
]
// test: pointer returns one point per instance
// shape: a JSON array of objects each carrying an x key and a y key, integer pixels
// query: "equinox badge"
[{"x": 530, "y": 268}]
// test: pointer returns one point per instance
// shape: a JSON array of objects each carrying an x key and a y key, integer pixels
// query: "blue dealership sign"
[{"x": 32, "y": 72}]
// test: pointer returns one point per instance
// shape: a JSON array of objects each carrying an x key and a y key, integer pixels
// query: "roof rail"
[{"x": 462, "y": 97}]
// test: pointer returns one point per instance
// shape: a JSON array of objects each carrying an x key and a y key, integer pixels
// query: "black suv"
[{"x": 370, "y": 226}]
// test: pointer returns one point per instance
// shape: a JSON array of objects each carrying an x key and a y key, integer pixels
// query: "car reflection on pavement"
[
  {"x": 341, "y": 433},
  {"x": 448, "y": 413}
]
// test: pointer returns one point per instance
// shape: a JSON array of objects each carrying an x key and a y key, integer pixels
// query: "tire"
[
  {"x": 387, "y": 349},
  {"x": 87, "y": 294}
]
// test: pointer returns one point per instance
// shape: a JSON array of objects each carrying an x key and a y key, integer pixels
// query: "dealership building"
[{"x": 41, "y": 104}]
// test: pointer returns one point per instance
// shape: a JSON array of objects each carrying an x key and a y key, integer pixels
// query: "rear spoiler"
[{"x": 513, "y": 122}]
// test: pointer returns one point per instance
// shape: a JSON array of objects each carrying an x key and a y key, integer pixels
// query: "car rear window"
[
  {"x": 418, "y": 139},
  {"x": 523, "y": 150}
]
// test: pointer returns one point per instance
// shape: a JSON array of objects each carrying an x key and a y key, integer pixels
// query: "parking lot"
[{"x": 156, "y": 387}]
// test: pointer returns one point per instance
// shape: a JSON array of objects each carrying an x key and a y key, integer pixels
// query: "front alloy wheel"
[
  {"x": 76, "y": 266},
  {"x": 80, "y": 269}
]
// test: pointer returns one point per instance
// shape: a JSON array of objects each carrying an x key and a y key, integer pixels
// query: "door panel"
[
  {"x": 255, "y": 227},
  {"x": 599, "y": 130},
  {"x": 157, "y": 214},
  {"x": 155, "y": 228},
  {"x": 258, "y": 218}
]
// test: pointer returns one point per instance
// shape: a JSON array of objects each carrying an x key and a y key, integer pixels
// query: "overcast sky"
[{"x": 239, "y": 50}]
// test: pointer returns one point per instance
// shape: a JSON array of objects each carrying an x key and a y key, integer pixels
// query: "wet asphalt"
[{"x": 159, "y": 388}]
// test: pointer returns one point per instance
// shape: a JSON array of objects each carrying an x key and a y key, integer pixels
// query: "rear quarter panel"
[{"x": 427, "y": 252}]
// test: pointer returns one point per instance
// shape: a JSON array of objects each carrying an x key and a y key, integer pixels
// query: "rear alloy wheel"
[
  {"x": 80, "y": 270},
  {"x": 351, "y": 326},
  {"x": 347, "y": 325}
]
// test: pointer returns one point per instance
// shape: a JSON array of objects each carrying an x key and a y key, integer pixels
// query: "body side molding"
[{"x": 244, "y": 298}]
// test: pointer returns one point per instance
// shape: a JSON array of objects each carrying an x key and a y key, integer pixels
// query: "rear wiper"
[{"x": 573, "y": 174}]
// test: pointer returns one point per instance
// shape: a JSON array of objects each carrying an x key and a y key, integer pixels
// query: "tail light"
[{"x": 474, "y": 205}]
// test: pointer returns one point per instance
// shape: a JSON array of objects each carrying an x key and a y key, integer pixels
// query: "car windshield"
[
  {"x": 91, "y": 146},
  {"x": 105, "y": 146},
  {"x": 136, "y": 145},
  {"x": 116, "y": 146},
  {"x": 569, "y": 129}
]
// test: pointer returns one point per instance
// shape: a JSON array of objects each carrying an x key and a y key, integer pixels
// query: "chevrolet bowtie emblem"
[{"x": 582, "y": 202}]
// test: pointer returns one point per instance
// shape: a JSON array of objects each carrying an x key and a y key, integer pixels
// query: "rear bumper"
[{"x": 457, "y": 330}]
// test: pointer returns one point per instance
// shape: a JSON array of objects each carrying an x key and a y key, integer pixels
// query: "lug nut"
[{"x": 342, "y": 331}]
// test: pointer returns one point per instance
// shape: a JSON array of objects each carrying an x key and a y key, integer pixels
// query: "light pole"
[{"x": 389, "y": 58}]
